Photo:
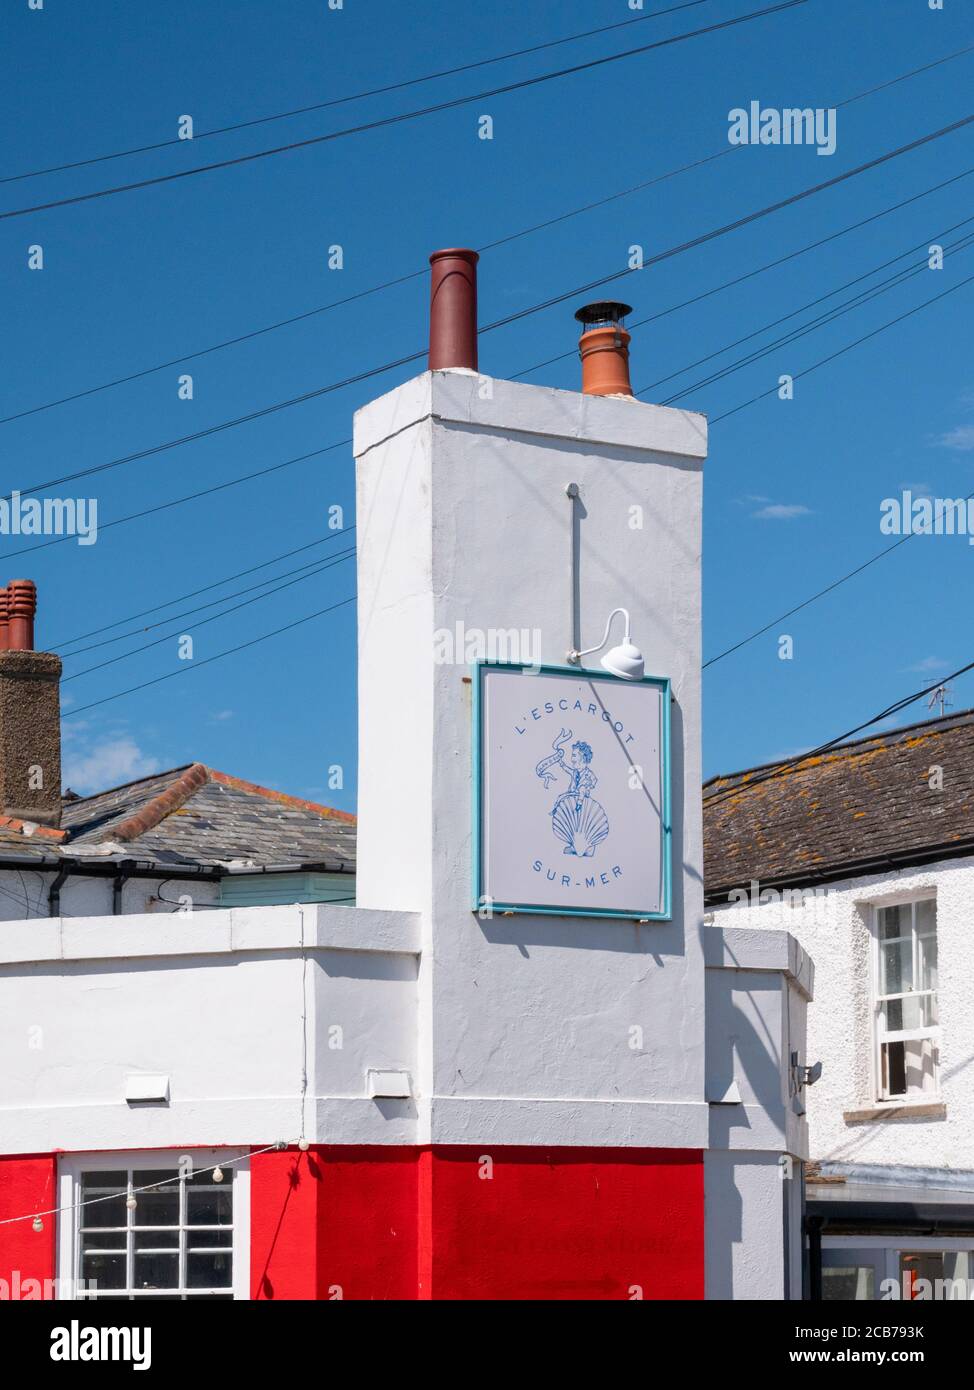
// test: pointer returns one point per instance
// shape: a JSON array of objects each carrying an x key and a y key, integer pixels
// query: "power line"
[
  {"x": 739, "y": 222},
  {"x": 314, "y": 566},
  {"x": 880, "y": 555},
  {"x": 145, "y": 612},
  {"x": 189, "y": 497},
  {"x": 310, "y": 617},
  {"x": 493, "y": 245},
  {"x": 725, "y": 793},
  {"x": 760, "y": 270},
  {"x": 357, "y": 96},
  {"x": 848, "y": 348},
  {"x": 402, "y": 116},
  {"x": 196, "y": 665},
  {"x": 204, "y": 622},
  {"x": 855, "y": 302},
  {"x": 661, "y": 256},
  {"x": 217, "y": 347},
  {"x": 301, "y": 458}
]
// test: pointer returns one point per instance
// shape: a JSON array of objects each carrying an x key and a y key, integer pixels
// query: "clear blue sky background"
[{"x": 136, "y": 279}]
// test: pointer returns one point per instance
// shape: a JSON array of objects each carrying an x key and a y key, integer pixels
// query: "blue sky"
[{"x": 793, "y": 488}]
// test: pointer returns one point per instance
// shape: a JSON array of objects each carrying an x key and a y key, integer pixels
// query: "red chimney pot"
[
  {"x": 453, "y": 309},
  {"x": 22, "y": 605},
  {"x": 4, "y": 621}
]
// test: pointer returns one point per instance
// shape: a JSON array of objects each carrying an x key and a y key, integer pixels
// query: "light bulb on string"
[
  {"x": 37, "y": 1225},
  {"x": 217, "y": 1174}
]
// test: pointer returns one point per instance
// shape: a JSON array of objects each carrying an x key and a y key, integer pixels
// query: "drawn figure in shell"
[{"x": 577, "y": 819}]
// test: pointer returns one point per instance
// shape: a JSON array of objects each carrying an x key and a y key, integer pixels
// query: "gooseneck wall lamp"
[{"x": 625, "y": 660}]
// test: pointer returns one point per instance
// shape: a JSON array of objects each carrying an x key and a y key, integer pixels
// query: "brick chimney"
[{"x": 30, "y": 713}]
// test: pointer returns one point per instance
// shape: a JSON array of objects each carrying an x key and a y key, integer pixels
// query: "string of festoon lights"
[{"x": 37, "y": 1218}]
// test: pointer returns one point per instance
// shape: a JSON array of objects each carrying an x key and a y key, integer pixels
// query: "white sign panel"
[{"x": 572, "y": 792}]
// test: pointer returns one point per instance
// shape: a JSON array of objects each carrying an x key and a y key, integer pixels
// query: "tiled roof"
[
  {"x": 194, "y": 815},
  {"x": 861, "y": 807}
]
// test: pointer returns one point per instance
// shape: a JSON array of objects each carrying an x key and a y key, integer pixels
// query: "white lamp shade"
[{"x": 625, "y": 661}]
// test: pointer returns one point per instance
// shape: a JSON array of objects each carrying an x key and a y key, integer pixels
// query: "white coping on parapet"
[
  {"x": 751, "y": 948},
  {"x": 314, "y": 926},
  {"x": 458, "y": 398}
]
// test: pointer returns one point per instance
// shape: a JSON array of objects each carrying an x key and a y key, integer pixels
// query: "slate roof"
[
  {"x": 193, "y": 816},
  {"x": 863, "y": 807}
]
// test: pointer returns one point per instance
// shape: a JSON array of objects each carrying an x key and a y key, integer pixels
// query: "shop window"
[{"x": 144, "y": 1228}]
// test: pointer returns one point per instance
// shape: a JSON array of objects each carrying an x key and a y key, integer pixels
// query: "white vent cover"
[
  {"x": 388, "y": 1085},
  {"x": 140, "y": 1089}
]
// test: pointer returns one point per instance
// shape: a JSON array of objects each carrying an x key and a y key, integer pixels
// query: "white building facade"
[
  {"x": 420, "y": 1097},
  {"x": 890, "y": 1186}
]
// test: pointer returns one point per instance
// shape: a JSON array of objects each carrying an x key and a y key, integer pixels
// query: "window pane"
[
  {"x": 909, "y": 1068},
  {"x": 210, "y": 1205},
  {"x": 918, "y": 1011},
  {"x": 894, "y": 921},
  {"x": 209, "y": 1240},
  {"x": 927, "y": 957},
  {"x": 160, "y": 1206},
  {"x": 107, "y": 1271},
  {"x": 156, "y": 1240},
  {"x": 895, "y": 966},
  {"x": 848, "y": 1283},
  {"x": 157, "y": 1271},
  {"x": 107, "y": 1192},
  {"x": 209, "y": 1271},
  {"x": 926, "y": 915},
  {"x": 103, "y": 1240}
]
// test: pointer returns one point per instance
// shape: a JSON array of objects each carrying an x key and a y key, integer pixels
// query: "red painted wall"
[
  {"x": 377, "y": 1222},
  {"x": 284, "y": 1197},
  {"x": 368, "y": 1221},
  {"x": 565, "y": 1224},
  {"x": 27, "y": 1184}
]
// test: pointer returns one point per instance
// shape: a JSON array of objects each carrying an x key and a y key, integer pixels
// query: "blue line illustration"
[{"x": 577, "y": 819}]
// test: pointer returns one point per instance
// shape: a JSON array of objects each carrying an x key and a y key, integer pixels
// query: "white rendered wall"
[
  {"x": 25, "y": 893},
  {"x": 832, "y": 927},
  {"x": 525, "y": 1022},
  {"x": 230, "y": 1004},
  {"x": 759, "y": 985}
]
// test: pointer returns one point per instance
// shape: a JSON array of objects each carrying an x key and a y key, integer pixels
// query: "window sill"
[{"x": 894, "y": 1110}]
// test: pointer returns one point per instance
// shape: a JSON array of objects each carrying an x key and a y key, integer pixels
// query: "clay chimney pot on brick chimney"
[{"x": 30, "y": 714}]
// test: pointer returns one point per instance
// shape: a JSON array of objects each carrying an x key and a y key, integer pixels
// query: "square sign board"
[{"x": 572, "y": 794}]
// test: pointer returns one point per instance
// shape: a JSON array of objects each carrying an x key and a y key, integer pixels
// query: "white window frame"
[
  {"x": 72, "y": 1166},
  {"x": 877, "y": 999}
]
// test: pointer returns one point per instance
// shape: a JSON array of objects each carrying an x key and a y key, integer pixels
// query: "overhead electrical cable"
[
  {"x": 378, "y": 124},
  {"x": 837, "y": 311},
  {"x": 355, "y": 96},
  {"x": 194, "y": 593},
  {"x": 492, "y": 245},
  {"x": 515, "y": 317},
  {"x": 309, "y": 617},
  {"x": 306, "y": 571},
  {"x": 214, "y": 617},
  {"x": 759, "y": 270},
  {"x": 840, "y": 352},
  {"x": 207, "y": 661},
  {"x": 188, "y": 497},
  {"x": 742, "y": 788}
]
